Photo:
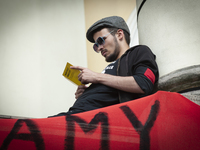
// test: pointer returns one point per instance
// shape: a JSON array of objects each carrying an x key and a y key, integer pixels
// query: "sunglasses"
[{"x": 100, "y": 41}]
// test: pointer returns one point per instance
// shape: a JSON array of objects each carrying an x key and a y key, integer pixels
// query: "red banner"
[{"x": 162, "y": 121}]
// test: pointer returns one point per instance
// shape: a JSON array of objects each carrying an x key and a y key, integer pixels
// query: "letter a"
[{"x": 34, "y": 135}]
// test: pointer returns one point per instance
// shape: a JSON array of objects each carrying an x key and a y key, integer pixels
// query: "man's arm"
[{"x": 127, "y": 84}]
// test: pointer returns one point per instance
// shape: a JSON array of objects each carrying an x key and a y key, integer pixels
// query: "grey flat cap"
[{"x": 113, "y": 22}]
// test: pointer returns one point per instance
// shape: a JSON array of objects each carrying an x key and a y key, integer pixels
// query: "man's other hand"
[{"x": 80, "y": 90}]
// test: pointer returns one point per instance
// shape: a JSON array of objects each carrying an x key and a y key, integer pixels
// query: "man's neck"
[{"x": 123, "y": 49}]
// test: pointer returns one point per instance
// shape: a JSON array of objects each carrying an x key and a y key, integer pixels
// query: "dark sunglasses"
[{"x": 100, "y": 41}]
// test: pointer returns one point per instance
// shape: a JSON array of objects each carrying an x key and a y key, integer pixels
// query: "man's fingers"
[
  {"x": 82, "y": 87},
  {"x": 80, "y": 90},
  {"x": 79, "y": 75},
  {"x": 78, "y": 95},
  {"x": 77, "y": 67}
]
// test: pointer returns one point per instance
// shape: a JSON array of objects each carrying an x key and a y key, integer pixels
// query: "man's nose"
[{"x": 100, "y": 48}]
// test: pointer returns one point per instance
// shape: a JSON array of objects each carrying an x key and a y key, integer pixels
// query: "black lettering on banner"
[
  {"x": 143, "y": 131},
  {"x": 87, "y": 128},
  {"x": 34, "y": 135}
]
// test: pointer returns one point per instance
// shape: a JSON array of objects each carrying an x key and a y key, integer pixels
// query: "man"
[{"x": 131, "y": 75}]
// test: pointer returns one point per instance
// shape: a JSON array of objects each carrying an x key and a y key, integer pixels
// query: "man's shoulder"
[{"x": 139, "y": 47}]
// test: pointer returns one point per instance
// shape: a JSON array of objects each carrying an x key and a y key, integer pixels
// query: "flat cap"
[{"x": 113, "y": 22}]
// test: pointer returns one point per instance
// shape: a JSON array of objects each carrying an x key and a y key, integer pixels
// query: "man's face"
[{"x": 110, "y": 50}]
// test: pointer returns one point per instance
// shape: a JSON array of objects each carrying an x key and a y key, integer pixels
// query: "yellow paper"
[{"x": 71, "y": 74}]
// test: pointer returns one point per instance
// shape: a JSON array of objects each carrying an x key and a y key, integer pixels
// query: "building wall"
[
  {"x": 37, "y": 39},
  {"x": 171, "y": 29}
]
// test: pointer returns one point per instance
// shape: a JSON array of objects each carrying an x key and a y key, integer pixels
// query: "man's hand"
[
  {"x": 80, "y": 90},
  {"x": 86, "y": 76}
]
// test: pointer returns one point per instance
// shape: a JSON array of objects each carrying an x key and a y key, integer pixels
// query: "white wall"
[
  {"x": 37, "y": 38},
  {"x": 171, "y": 28}
]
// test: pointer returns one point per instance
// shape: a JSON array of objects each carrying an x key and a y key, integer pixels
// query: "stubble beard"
[{"x": 112, "y": 57}]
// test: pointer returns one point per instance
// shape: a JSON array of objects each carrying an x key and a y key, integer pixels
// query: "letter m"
[{"x": 101, "y": 117}]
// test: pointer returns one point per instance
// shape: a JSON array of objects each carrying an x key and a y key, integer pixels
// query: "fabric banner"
[{"x": 162, "y": 121}]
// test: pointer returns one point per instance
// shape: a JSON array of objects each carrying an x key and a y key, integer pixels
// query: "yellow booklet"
[{"x": 71, "y": 74}]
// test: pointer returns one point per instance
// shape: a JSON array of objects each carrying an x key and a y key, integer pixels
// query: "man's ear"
[{"x": 120, "y": 34}]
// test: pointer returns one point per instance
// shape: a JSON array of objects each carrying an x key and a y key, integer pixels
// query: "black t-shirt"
[{"x": 97, "y": 95}]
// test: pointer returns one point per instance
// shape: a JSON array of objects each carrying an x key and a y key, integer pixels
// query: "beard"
[{"x": 112, "y": 57}]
